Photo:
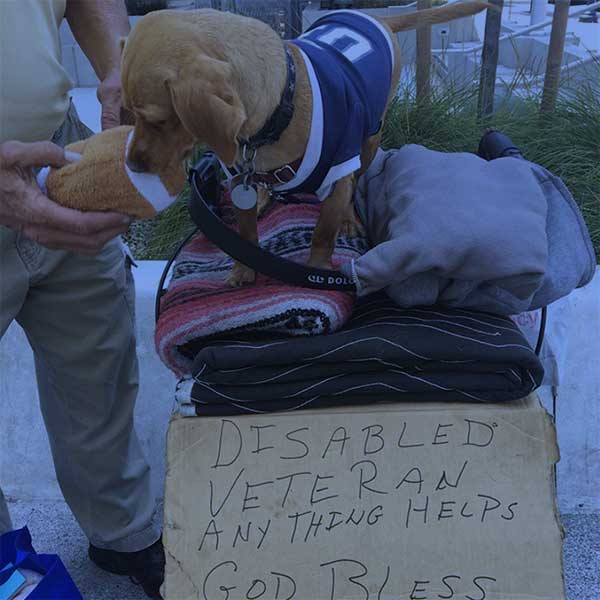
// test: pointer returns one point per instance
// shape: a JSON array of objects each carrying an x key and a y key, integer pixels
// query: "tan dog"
[{"x": 216, "y": 78}]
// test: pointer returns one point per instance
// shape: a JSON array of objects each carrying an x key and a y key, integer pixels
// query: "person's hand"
[
  {"x": 109, "y": 95},
  {"x": 25, "y": 208}
]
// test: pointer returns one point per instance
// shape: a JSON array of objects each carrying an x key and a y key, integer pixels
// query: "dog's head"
[{"x": 179, "y": 93}]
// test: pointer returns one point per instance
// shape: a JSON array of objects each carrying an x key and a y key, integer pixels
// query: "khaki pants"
[{"x": 78, "y": 314}]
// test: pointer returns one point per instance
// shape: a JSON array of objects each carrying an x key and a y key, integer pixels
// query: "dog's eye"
[{"x": 159, "y": 123}]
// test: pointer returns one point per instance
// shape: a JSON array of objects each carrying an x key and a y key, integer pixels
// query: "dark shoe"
[
  {"x": 495, "y": 144},
  {"x": 146, "y": 567}
]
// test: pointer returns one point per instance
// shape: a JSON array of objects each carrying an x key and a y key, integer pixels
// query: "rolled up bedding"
[{"x": 199, "y": 306}]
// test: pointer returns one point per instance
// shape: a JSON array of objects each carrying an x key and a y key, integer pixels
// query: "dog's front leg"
[
  {"x": 334, "y": 212},
  {"x": 247, "y": 220}
]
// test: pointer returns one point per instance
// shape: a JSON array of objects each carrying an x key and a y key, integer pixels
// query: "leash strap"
[{"x": 204, "y": 185}]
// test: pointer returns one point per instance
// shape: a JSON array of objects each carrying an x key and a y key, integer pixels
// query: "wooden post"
[
  {"x": 423, "y": 56},
  {"x": 295, "y": 18},
  {"x": 489, "y": 59},
  {"x": 555, "y": 55},
  {"x": 216, "y": 4}
]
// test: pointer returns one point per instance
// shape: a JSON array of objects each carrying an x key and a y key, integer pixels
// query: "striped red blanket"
[{"x": 199, "y": 306}]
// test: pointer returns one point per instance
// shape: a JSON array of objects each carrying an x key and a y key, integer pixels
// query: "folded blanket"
[
  {"x": 452, "y": 229},
  {"x": 199, "y": 306},
  {"x": 384, "y": 354}
]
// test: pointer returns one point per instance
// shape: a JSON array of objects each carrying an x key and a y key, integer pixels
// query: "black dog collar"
[{"x": 280, "y": 119}]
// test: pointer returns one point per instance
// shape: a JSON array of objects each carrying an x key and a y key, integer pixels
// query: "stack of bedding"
[
  {"x": 271, "y": 346},
  {"x": 383, "y": 354},
  {"x": 200, "y": 308}
]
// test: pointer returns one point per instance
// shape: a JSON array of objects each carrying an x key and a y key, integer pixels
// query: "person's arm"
[
  {"x": 98, "y": 26},
  {"x": 25, "y": 208}
]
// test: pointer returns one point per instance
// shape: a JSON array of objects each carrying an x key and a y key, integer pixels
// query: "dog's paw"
[
  {"x": 241, "y": 275},
  {"x": 264, "y": 201},
  {"x": 351, "y": 226},
  {"x": 320, "y": 259}
]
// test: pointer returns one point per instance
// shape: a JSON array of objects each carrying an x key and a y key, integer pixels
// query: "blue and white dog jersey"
[{"x": 350, "y": 59}]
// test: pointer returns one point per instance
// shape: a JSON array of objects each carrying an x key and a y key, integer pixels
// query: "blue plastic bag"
[{"x": 17, "y": 552}]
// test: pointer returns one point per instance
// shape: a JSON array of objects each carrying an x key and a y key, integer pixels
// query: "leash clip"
[
  {"x": 244, "y": 195},
  {"x": 248, "y": 161}
]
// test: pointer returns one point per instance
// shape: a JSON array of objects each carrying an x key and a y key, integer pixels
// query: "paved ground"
[
  {"x": 582, "y": 556},
  {"x": 54, "y": 530}
]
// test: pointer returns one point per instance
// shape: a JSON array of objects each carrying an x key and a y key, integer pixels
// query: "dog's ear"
[{"x": 208, "y": 105}]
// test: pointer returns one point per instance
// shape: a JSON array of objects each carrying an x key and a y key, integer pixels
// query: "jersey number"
[{"x": 350, "y": 43}]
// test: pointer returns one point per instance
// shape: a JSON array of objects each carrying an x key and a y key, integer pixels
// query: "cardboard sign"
[{"x": 410, "y": 501}]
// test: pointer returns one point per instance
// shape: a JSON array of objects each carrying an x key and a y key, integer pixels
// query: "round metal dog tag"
[{"x": 244, "y": 196}]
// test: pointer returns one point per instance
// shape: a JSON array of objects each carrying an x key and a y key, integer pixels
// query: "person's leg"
[
  {"x": 79, "y": 318},
  {"x": 14, "y": 281}
]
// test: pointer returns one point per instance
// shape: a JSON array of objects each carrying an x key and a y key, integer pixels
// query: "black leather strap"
[
  {"x": 246, "y": 252},
  {"x": 160, "y": 291}
]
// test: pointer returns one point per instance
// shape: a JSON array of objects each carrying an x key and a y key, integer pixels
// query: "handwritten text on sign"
[{"x": 276, "y": 488}]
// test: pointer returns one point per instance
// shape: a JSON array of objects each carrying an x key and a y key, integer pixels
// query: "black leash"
[
  {"x": 161, "y": 283},
  {"x": 204, "y": 179},
  {"x": 255, "y": 257}
]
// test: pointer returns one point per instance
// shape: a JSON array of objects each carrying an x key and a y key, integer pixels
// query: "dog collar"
[
  {"x": 281, "y": 117},
  {"x": 243, "y": 186},
  {"x": 278, "y": 176}
]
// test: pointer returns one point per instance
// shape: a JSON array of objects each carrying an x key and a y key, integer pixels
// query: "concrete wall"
[
  {"x": 578, "y": 398},
  {"x": 530, "y": 53}
]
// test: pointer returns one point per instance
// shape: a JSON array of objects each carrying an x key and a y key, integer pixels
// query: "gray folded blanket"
[{"x": 503, "y": 236}]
